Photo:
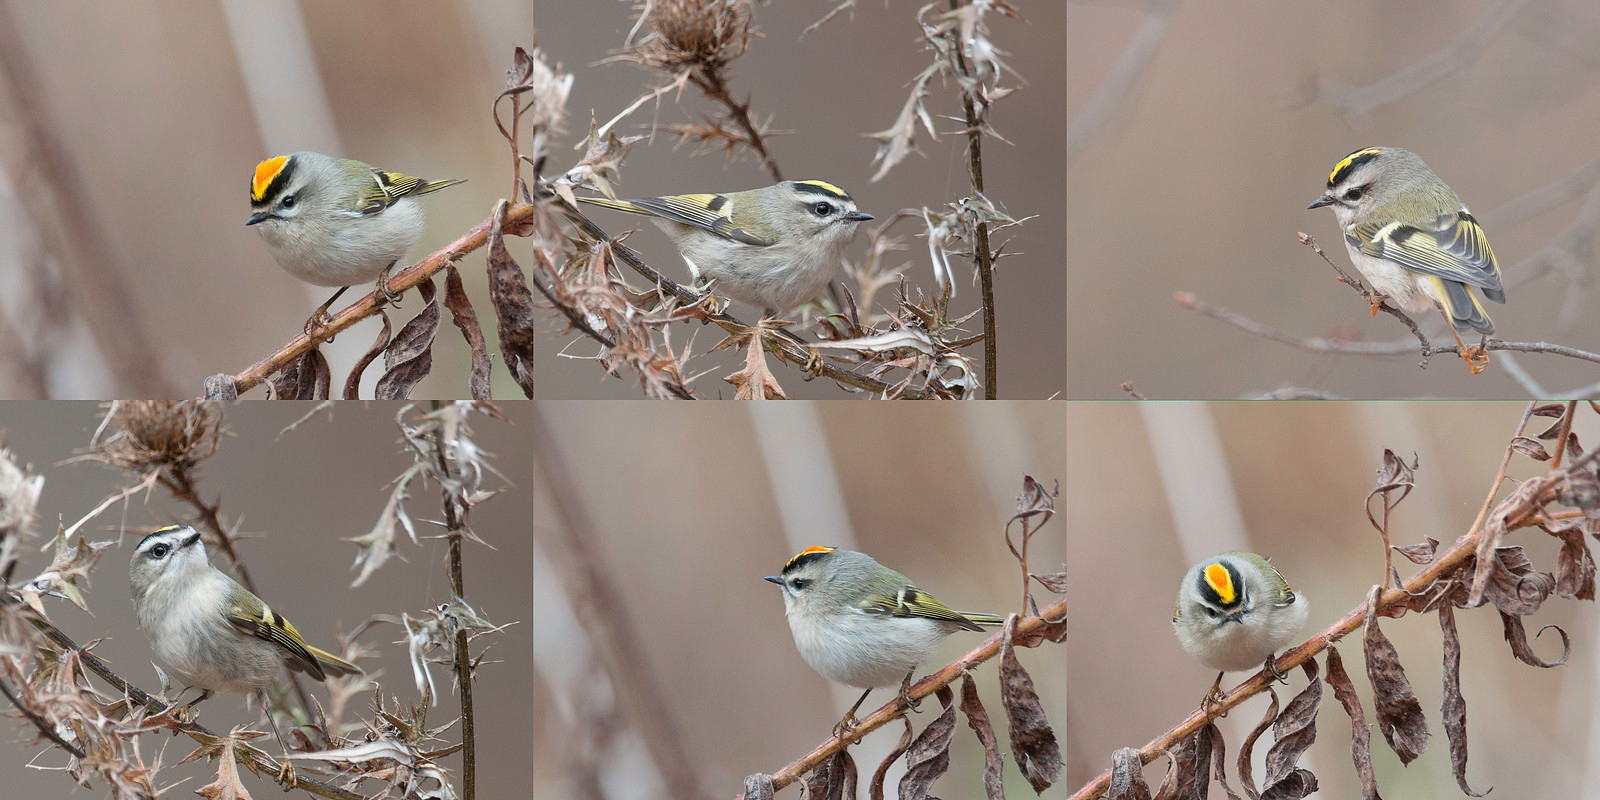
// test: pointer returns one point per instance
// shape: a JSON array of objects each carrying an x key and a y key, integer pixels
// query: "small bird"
[
  {"x": 773, "y": 247},
  {"x": 1414, "y": 240},
  {"x": 210, "y": 633},
  {"x": 336, "y": 221},
  {"x": 1234, "y": 612},
  {"x": 862, "y": 624}
]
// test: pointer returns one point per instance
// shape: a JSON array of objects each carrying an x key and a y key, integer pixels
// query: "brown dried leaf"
[
  {"x": 1575, "y": 567},
  {"x": 1399, "y": 715},
  {"x": 1127, "y": 776},
  {"x": 1494, "y": 531},
  {"x": 834, "y": 779},
  {"x": 227, "y": 786},
  {"x": 1360, "y": 735},
  {"x": 1580, "y": 488},
  {"x": 1033, "y": 743},
  {"x": 1513, "y": 585},
  {"x": 1454, "y": 709},
  {"x": 1186, "y": 773},
  {"x": 70, "y": 567},
  {"x": 1293, "y": 733},
  {"x": 978, "y": 721},
  {"x": 1556, "y": 410},
  {"x": 1055, "y": 581},
  {"x": 875, "y": 787},
  {"x": 1518, "y": 639},
  {"x": 1394, "y": 476},
  {"x": 1419, "y": 553},
  {"x": 1247, "y": 780},
  {"x": 759, "y": 787},
  {"x": 513, "y": 305},
  {"x": 352, "y": 382},
  {"x": 1530, "y": 448},
  {"x": 754, "y": 381},
  {"x": 929, "y": 755},
  {"x": 305, "y": 378},
  {"x": 466, "y": 320},
  {"x": 409, "y": 358}
]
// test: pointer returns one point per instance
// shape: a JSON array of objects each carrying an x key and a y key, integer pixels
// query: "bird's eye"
[
  {"x": 287, "y": 201},
  {"x": 798, "y": 583},
  {"x": 159, "y": 551},
  {"x": 822, "y": 209},
  {"x": 1354, "y": 193},
  {"x": 1210, "y": 612}
]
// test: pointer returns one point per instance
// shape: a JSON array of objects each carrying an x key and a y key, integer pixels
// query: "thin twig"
[
  {"x": 463, "y": 665},
  {"x": 983, "y": 259},
  {"x": 709, "y": 79},
  {"x": 41, "y": 723}
]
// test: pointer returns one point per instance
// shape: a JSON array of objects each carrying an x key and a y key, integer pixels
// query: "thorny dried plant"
[
  {"x": 829, "y": 772},
  {"x": 1477, "y": 570},
  {"x": 45, "y": 676},
  {"x": 910, "y": 347}
]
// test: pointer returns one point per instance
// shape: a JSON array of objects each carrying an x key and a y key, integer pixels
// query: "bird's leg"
[
  {"x": 1477, "y": 356},
  {"x": 905, "y": 693},
  {"x": 1272, "y": 667},
  {"x": 182, "y": 713},
  {"x": 1376, "y": 298},
  {"x": 286, "y": 774},
  {"x": 383, "y": 286},
  {"x": 319, "y": 318},
  {"x": 849, "y": 720},
  {"x": 1213, "y": 698}
]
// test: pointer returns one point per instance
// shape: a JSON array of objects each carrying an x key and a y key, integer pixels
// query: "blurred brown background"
[
  {"x": 1199, "y": 178},
  {"x": 302, "y": 493},
  {"x": 164, "y": 109}
]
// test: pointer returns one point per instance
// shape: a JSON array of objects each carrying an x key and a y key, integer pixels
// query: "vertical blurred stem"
[
  {"x": 463, "y": 667},
  {"x": 981, "y": 254}
]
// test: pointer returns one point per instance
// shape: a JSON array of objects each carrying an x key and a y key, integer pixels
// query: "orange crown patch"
[
  {"x": 1221, "y": 582},
  {"x": 265, "y": 172}
]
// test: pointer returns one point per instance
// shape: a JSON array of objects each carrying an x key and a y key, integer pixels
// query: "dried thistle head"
[
  {"x": 684, "y": 34},
  {"x": 155, "y": 435}
]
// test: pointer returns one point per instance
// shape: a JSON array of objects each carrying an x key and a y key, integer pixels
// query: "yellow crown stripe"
[
  {"x": 265, "y": 172},
  {"x": 1337, "y": 168},
  {"x": 1221, "y": 582},
  {"x": 809, "y": 551},
  {"x": 825, "y": 187}
]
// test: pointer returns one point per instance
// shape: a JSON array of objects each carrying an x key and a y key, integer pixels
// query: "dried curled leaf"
[
  {"x": 759, "y": 787},
  {"x": 70, "y": 568},
  {"x": 1247, "y": 779},
  {"x": 1453, "y": 711},
  {"x": 409, "y": 358},
  {"x": 1513, "y": 585},
  {"x": 875, "y": 787},
  {"x": 305, "y": 378},
  {"x": 1419, "y": 553},
  {"x": 466, "y": 320},
  {"x": 1127, "y": 776},
  {"x": 1033, "y": 743},
  {"x": 1194, "y": 760},
  {"x": 928, "y": 758},
  {"x": 1399, "y": 714},
  {"x": 513, "y": 305},
  {"x": 1518, "y": 639},
  {"x": 1360, "y": 736},
  {"x": 834, "y": 779},
  {"x": 978, "y": 721},
  {"x": 1293, "y": 733},
  {"x": 352, "y": 382}
]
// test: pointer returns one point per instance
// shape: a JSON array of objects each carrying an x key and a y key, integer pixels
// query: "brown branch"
[
  {"x": 425, "y": 269},
  {"x": 1517, "y": 513},
  {"x": 893, "y": 710},
  {"x": 454, "y": 526}
]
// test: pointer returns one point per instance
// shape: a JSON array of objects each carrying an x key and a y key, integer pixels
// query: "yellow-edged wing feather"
[
  {"x": 712, "y": 212},
  {"x": 1452, "y": 247}
]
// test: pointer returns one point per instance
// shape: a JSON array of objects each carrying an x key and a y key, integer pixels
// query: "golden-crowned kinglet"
[
  {"x": 336, "y": 222},
  {"x": 773, "y": 247},
  {"x": 208, "y": 632},
  {"x": 1412, "y": 238},
  {"x": 862, "y": 624},
  {"x": 1235, "y": 612}
]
